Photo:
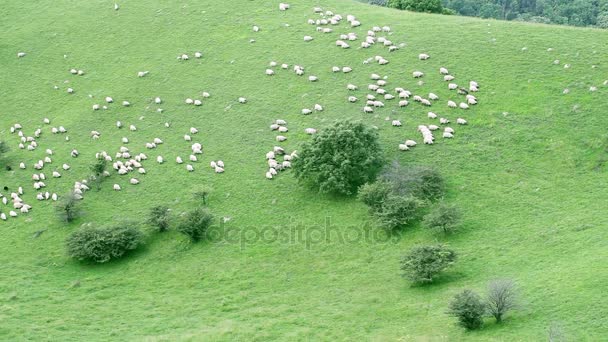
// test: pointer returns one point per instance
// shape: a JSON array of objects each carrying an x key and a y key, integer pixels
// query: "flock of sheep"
[{"x": 129, "y": 162}]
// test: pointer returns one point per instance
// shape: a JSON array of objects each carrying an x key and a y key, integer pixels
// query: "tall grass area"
[{"x": 529, "y": 172}]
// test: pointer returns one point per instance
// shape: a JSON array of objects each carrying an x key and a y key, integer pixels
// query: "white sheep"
[
  {"x": 444, "y": 121},
  {"x": 307, "y": 38},
  {"x": 368, "y": 109},
  {"x": 313, "y": 78},
  {"x": 179, "y": 160},
  {"x": 352, "y": 99},
  {"x": 310, "y": 131},
  {"x": 281, "y": 138},
  {"x": 403, "y": 103},
  {"x": 347, "y": 69},
  {"x": 269, "y": 72},
  {"x": 396, "y": 123},
  {"x": 463, "y": 105},
  {"x": 417, "y": 74},
  {"x": 448, "y": 135},
  {"x": 433, "y": 96},
  {"x": 198, "y": 102},
  {"x": 318, "y": 107},
  {"x": 242, "y": 100},
  {"x": 189, "y": 167},
  {"x": 306, "y": 111},
  {"x": 452, "y": 104},
  {"x": 431, "y": 115},
  {"x": 117, "y": 187},
  {"x": 461, "y": 121},
  {"x": 448, "y": 78},
  {"x": 283, "y": 6},
  {"x": 443, "y": 71}
]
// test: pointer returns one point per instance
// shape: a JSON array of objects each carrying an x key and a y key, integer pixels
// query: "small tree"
[
  {"x": 160, "y": 217},
  {"x": 3, "y": 148},
  {"x": 103, "y": 244},
  {"x": 430, "y": 6},
  {"x": 422, "y": 182},
  {"x": 68, "y": 208},
  {"x": 374, "y": 194},
  {"x": 341, "y": 158},
  {"x": 423, "y": 263},
  {"x": 502, "y": 297},
  {"x": 195, "y": 224},
  {"x": 99, "y": 169},
  {"x": 398, "y": 211},
  {"x": 202, "y": 194},
  {"x": 468, "y": 308},
  {"x": 445, "y": 218}
]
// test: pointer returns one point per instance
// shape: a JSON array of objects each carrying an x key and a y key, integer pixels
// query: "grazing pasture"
[{"x": 203, "y": 81}]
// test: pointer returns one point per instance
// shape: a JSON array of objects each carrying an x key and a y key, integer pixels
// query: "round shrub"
[
  {"x": 422, "y": 182},
  {"x": 445, "y": 218},
  {"x": 468, "y": 308},
  {"x": 340, "y": 158},
  {"x": 195, "y": 223},
  {"x": 103, "y": 244},
  {"x": 374, "y": 194},
  {"x": 398, "y": 211},
  {"x": 160, "y": 217},
  {"x": 423, "y": 263}
]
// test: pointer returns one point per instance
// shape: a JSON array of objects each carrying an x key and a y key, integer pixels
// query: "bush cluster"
[{"x": 105, "y": 243}]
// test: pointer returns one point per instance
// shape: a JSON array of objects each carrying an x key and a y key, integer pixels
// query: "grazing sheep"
[
  {"x": 256, "y": 28},
  {"x": 423, "y": 56},
  {"x": 433, "y": 127},
  {"x": 352, "y": 99},
  {"x": 318, "y": 107},
  {"x": 142, "y": 73},
  {"x": 179, "y": 160},
  {"x": 461, "y": 121},
  {"x": 403, "y": 103},
  {"x": 198, "y": 102},
  {"x": 70, "y": 91},
  {"x": 433, "y": 96},
  {"x": 306, "y": 111},
  {"x": 347, "y": 69},
  {"x": 389, "y": 97},
  {"x": 448, "y": 78},
  {"x": 269, "y": 174},
  {"x": 198, "y": 54},
  {"x": 269, "y": 72},
  {"x": 283, "y": 129},
  {"x": 117, "y": 187},
  {"x": 190, "y": 168},
  {"x": 449, "y": 130},
  {"x": 368, "y": 109},
  {"x": 463, "y": 105},
  {"x": 452, "y": 104},
  {"x": 417, "y": 74},
  {"x": 425, "y": 102},
  {"x": 448, "y": 135},
  {"x": 242, "y": 100},
  {"x": 281, "y": 138},
  {"x": 21, "y": 54},
  {"x": 193, "y": 158},
  {"x": 335, "y": 69},
  {"x": 313, "y": 78},
  {"x": 160, "y": 159},
  {"x": 189, "y": 101},
  {"x": 452, "y": 86},
  {"x": 307, "y": 38},
  {"x": 310, "y": 131},
  {"x": 431, "y": 115},
  {"x": 444, "y": 121},
  {"x": 403, "y": 147},
  {"x": 283, "y": 6},
  {"x": 396, "y": 123}
]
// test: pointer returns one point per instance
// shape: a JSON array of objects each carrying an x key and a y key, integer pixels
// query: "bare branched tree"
[{"x": 502, "y": 297}]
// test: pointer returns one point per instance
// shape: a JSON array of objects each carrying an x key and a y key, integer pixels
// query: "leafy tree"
[
  {"x": 430, "y": 6},
  {"x": 195, "y": 223},
  {"x": 418, "y": 181},
  {"x": 602, "y": 20},
  {"x": 340, "y": 158},
  {"x": 99, "y": 169},
  {"x": 375, "y": 194},
  {"x": 502, "y": 297},
  {"x": 103, "y": 244},
  {"x": 160, "y": 217},
  {"x": 423, "y": 263},
  {"x": 468, "y": 308},
  {"x": 445, "y": 218},
  {"x": 68, "y": 208},
  {"x": 398, "y": 211}
]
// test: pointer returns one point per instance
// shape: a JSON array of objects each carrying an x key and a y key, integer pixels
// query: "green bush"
[
  {"x": 202, "y": 194},
  {"x": 445, "y": 218},
  {"x": 340, "y": 158},
  {"x": 160, "y": 217},
  {"x": 68, "y": 208},
  {"x": 468, "y": 308},
  {"x": 374, "y": 194},
  {"x": 423, "y": 263},
  {"x": 398, "y": 211},
  {"x": 430, "y": 6},
  {"x": 422, "y": 182},
  {"x": 195, "y": 223},
  {"x": 103, "y": 244},
  {"x": 99, "y": 169}
]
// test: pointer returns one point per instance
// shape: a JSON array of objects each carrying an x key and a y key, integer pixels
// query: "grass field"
[{"x": 529, "y": 171}]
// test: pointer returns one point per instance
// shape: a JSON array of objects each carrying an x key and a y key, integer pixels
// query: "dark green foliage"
[
  {"x": 103, "y": 244},
  {"x": 398, "y": 211},
  {"x": 443, "y": 217},
  {"x": 160, "y": 217},
  {"x": 378, "y": 2},
  {"x": 430, "y": 6},
  {"x": 502, "y": 297},
  {"x": 422, "y": 182},
  {"x": 99, "y": 169},
  {"x": 468, "y": 308},
  {"x": 195, "y": 223},
  {"x": 202, "y": 194},
  {"x": 68, "y": 208},
  {"x": 374, "y": 194},
  {"x": 3, "y": 148},
  {"x": 423, "y": 263},
  {"x": 340, "y": 158}
]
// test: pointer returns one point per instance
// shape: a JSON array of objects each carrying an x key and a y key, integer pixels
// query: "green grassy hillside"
[{"x": 529, "y": 170}]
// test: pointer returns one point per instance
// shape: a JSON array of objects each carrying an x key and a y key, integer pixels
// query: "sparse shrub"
[
  {"x": 378, "y": 2},
  {"x": 3, "y": 148},
  {"x": 340, "y": 158},
  {"x": 374, "y": 194},
  {"x": 468, "y": 308},
  {"x": 99, "y": 169},
  {"x": 68, "y": 208},
  {"x": 195, "y": 223},
  {"x": 202, "y": 194},
  {"x": 445, "y": 218},
  {"x": 398, "y": 211},
  {"x": 160, "y": 217},
  {"x": 502, "y": 297},
  {"x": 422, "y": 182},
  {"x": 103, "y": 244},
  {"x": 423, "y": 263}
]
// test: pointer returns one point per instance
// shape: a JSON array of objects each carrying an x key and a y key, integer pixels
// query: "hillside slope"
[{"x": 529, "y": 171}]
